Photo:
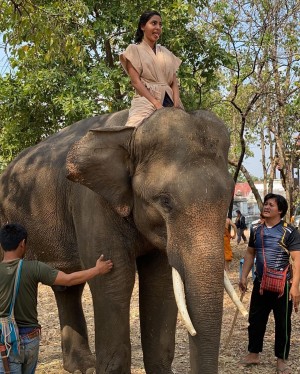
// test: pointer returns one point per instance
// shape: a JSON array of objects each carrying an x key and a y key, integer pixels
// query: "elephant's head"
[{"x": 171, "y": 175}]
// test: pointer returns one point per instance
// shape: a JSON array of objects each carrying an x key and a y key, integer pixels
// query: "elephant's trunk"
[
  {"x": 204, "y": 297},
  {"x": 199, "y": 259},
  {"x": 181, "y": 302}
]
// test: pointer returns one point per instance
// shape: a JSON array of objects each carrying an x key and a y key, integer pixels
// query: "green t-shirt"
[{"x": 32, "y": 273}]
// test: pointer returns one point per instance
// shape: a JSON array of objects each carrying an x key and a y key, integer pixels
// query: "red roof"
[{"x": 242, "y": 189}]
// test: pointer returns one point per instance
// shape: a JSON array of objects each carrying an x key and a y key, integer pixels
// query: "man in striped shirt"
[{"x": 276, "y": 242}]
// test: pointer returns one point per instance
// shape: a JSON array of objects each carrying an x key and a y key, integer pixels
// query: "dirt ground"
[{"x": 50, "y": 360}]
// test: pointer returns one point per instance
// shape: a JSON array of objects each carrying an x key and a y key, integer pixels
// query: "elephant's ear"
[{"x": 101, "y": 161}]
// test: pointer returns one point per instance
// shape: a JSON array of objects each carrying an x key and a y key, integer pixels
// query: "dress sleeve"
[
  {"x": 175, "y": 61},
  {"x": 131, "y": 54}
]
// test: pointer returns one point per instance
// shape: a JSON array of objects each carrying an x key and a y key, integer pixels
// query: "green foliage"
[{"x": 65, "y": 65}]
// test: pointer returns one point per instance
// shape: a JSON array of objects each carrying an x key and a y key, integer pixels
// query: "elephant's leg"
[
  {"x": 74, "y": 337},
  {"x": 111, "y": 298},
  {"x": 158, "y": 313}
]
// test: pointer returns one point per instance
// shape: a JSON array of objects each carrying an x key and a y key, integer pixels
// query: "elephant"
[{"x": 153, "y": 199}]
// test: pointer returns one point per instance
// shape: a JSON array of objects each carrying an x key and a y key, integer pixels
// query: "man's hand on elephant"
[
  {"x": 82, "y": 276},
  {"x": 103, "y": 266}
]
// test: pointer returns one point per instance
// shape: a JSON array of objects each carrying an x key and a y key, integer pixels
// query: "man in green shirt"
[{"x": 13, "y": 239}]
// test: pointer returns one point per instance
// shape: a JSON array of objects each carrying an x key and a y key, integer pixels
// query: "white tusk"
[
  {"x": 180, "y": 300},
  {"x": 234, "y": 297}
]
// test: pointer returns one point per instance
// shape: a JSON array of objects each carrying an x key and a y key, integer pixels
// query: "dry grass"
[{"x": 50, "y": 351}]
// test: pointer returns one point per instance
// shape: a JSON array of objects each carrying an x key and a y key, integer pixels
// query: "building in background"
[{"x": 245, "y": 201}]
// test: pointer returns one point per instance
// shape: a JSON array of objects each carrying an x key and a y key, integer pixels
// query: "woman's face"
[{"x": 152, "y": 30}]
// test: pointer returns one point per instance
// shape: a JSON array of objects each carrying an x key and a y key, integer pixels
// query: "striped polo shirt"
[{"x": 278, "y": 241}]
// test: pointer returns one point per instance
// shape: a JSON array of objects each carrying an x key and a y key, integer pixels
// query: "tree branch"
[{"x": 250, "y": 182}]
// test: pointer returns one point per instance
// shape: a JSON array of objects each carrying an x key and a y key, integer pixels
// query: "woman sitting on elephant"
[{"x": 152, "y": 70}]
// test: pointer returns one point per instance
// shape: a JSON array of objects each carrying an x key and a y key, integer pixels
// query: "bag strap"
[
  {"x": 16, "y": 287},
  {"x": 262, "y": 243}
]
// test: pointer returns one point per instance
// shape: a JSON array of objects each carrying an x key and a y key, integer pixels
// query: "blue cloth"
[
  {"x": 241, "y": 268},
  {"x": 26, "y": 361},
  {"x": 167, "y": 101}
]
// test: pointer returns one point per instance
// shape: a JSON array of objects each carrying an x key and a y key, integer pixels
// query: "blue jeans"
[{"x": 26, "y": 361}]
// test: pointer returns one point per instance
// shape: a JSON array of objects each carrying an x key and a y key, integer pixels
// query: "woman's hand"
[
  {"x": 175, "y": 90},
  {"x": 158, "y": 105}
]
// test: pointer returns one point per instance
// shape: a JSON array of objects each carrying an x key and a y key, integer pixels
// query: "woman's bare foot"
[{"x": 250, "y": 359}]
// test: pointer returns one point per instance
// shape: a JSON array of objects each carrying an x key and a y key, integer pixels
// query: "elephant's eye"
[{"x": 165, "y": 201}]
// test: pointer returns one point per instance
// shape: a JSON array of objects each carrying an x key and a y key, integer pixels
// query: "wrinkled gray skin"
[{"x": 157, "y": 198}]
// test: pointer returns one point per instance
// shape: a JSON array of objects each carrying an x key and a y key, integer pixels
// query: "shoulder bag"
[{"x": 9, "y": 334}]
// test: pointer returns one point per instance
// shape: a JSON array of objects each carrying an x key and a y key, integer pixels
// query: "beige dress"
[{"x": 156, "y": 71}]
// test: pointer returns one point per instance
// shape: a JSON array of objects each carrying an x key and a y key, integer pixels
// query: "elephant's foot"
[
  {"x": 74, "y": 338},
  {"x": 79, "y": 363},
  {"x": 89, "y": 371},
  {"x": 156, "y": 370},
  {"x": 117, "y": 361},
  {"x": 76, "y": 352}
]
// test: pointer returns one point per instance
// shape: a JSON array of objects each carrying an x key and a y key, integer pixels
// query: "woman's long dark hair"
[{"x": 142, "y": 22}]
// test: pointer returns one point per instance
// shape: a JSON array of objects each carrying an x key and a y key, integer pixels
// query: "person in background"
[
  {"x": 13, "y": 238},
  {"x": 241, "y": 227},
  {"x": 152, "y": 69},
  {"x": 227, "y": 247},
  {"x": 275, "y": 242}
]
